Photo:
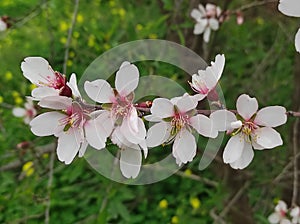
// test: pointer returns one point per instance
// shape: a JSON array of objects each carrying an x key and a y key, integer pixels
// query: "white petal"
[
  {"x": 3, "y": 25},
  {"x": 184, "y": 147},
  {"x": 245, "y": 159},
  {"x": 268, "y": 137},
  {"x": 246, "y": 106},
  {"x": 272, "y": 116},
  {"x": 202, "y": 9},
  {"x": 199, "y": 27},
  {"x": 36, "y": 70},
  {"x": 281, "y": 206},
  {"x": 218, "y": 65},
  {"x": 162, "y": 108},
  {"x": 118, "y": 138},
  {"x": 132, "y": 135},
  {"x": 158, "y": 134},
  {"x": 297, "y": 41},
  {"x": 186, "y": 103},
  {"x": 206, "y": 34},
  {"x": 19, "y": 112},
  {"x": 46, "y": 123},
  {"x": 196, "y": 14},
  {"x": 99, "y": 91},
  {"x": 222, "y": 119},
  {"x": 204, "y": 126},
  {"x": 295, "y": 212},
  {"x": 213, "y": 23},
  {"x": 289, "y": 7},
  {"x": 152, "y": 118},
  {"x": 127, "y": 79},
  {"x": 130, "y": 162},
  {"x": 73, "y": 85},
  {"x": 285, "y": 221},
  {"x": 83, "y": 148},
  {"x": 234, "y": 149},
  {"x": 255, "y": 145},
  {"x": 44, "y": 91},
  {"x": 68, "y": 145},
  {"x": 274, "y": 218},
  {"x": 56, "y": 102}
]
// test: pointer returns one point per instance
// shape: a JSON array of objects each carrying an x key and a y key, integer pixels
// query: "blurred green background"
[{"x": 260, "y": 61}]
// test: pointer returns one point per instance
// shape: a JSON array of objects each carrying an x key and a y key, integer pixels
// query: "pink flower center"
[
  {"x": 59, "y": 83},
  {"x": 199, "y": 87},
  {"x": 121, "y": 107},
  {"x": 75, "y": 118},
  {"x": 178, "y": 122}
]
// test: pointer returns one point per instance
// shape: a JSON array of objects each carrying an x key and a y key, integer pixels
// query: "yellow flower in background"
[
  {"x": 15, "y": 94},
  {"x": 152, "y": 36},
  {"x": 1, "y": 99},
  {"x": 91, "y": 40},
  {"x": 175, "y": 220},
  {"x": 195, "y": 203},
  {"x": 106, "y": 46},
  {"x": 18, "y": 100},
  {"x": 63, "y": 40},
  {"x": 122, "y": 12},
  {"x": 45, "y": 155},
  {"x": 69, "y": 63},
  {"x": 76, "y": 34},
  {"x": 112, "y": 3},
  {"x": 63, "y": 26},
  {"x": 188, "y": 172},
  {"x": 71, "y": 54},
  {"x": 260, "y": 21},
  {"x": 32, "y": 87},
  {"x": 79, "y": 18},
  {"x": 8, "y": 76},
  {"x": 28, "y": 168},
  {"x": 163, "y": 204},
  {"x": 139, "y": 27}
]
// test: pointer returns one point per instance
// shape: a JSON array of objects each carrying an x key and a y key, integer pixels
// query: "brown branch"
[{"x": 295, "y": 152}]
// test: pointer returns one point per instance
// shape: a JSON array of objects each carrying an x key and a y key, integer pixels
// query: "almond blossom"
[
  {"x": 49, "y": 82},
  {"x": 3, "y": 25},
  {"x": 280, "y": 214},
  {"x": 291, "y": 8},
  {"x": 295, "y": 214},
  {"x": 206, "y": 80},
  {"x": 28, "y": 112},
  {"x": 177, "y": 119},
  {"x": 249, "y": 129},
  {"x": 206, "y": 19},
  {"x": 129, "y": 132}
]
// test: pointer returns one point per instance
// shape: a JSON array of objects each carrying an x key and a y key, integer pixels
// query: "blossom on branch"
[
  {"x": 177, "y": 119},
  {"x": 207, "y": 19},
  {"x": 295, "y": 214},
  {"x": 3, "y": 25},
  {"x": 249, "y": 129},
  {"x": 280, "y": 214},
  {"x": 49, "y": 82},
  {"x": 129, "y": 131},
  {"x": 291, "y": 8},
  {"x": 206, "y": 80},
  {"x": 28, "y": 112}
]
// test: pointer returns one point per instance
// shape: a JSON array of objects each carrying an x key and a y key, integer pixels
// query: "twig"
[
  {"x": 234, "y": 199},
  {"x": 255, "y": 4},
  {"x": 295, "y": 152},
  {"x": 217, "y": 219},
  {"x": 197, "y": 178},
  {"x": 67, "y": 46},
  {"x": 50, "y": 180}
]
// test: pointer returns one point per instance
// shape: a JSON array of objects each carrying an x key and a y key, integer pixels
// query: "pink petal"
[
  {"x": 246, "y": 106},
  {"x": 130, "y": 162},
  {"x": 68, "y": 145},
  {"x": 162, "y": 108},
  {"x": 272, "y": 116},
  {"x": 158, "y": 134},
  {"x": 99, "y": 91},
  {"x": 268, "y": 138},
  {"x": 297, "y": 41},
  {"x": 204, "y": 126},
  {"x": 245, "y": 159},
  {"x": 47, "y": 124},
  {"x": 222, "y": 119},
  {"x": 289, "y": 7},
  {"x": 56, "y": 102},
  {"x": 36, "y": 70},
  {"x": 127, "y": 79},
  {"x": 44, "y": 91},
  {"x": 184, "y": 147},
  {"x": 234, "y": 149}
]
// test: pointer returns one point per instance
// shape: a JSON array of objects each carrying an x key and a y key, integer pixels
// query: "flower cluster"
[
  {"x": 283, "y": 215},
  {"x": 4, "y": 23},
  {"x": 117, "y": 119}
]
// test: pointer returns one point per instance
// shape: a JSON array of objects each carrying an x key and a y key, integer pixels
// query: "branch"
[
  {"x": 67, "y": 46},
  {"x": 295, "y": 152}
]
